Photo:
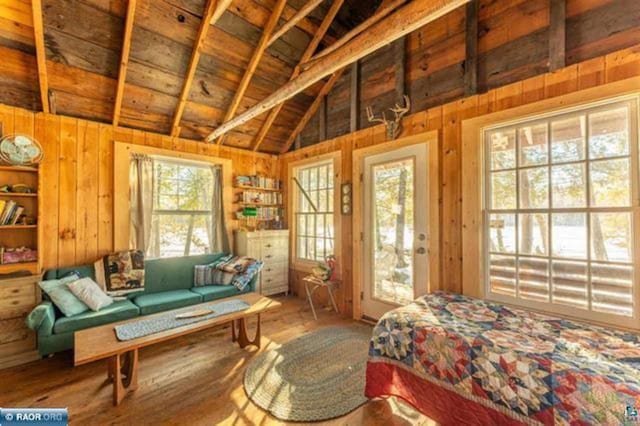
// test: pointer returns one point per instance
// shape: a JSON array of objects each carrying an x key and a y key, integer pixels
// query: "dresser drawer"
[
  {"x": 13, "y": 330},
  {"x": 17, "y": 299},
  {"x": 277, "y": 255}
]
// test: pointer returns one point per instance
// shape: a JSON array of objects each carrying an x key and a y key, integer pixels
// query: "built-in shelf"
[
  {"x": 259, "y": 204},
  {"x": 17, "y": 194},
  {"x": 8, "y": 268},
  {"x": 23, "y": 169},
  {"x": 257, "y": 188},
  {"x": 18, "y": 227}
]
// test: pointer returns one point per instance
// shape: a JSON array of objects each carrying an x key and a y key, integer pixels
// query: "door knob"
[{"x": 421, "y": 250}]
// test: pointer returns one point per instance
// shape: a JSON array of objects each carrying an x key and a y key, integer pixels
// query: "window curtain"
[
  {"x": 141, "y": 193},
  {"x": 219, "y": 237}
]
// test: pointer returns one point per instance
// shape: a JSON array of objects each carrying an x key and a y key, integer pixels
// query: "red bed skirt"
[{"x": 440, "y": 404}]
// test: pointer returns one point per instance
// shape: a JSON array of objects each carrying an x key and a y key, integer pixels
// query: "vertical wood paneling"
[
  {"x": 88, "y": 149},
  {"x": 105, "y": 190},
  {"x": 67, "y": 192},
  {"x": 447, "y": 119},
  {"x": 49, "y": 190},
  {"x": 77, "y": 176}
]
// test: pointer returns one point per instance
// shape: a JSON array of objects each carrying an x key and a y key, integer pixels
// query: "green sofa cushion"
[
  {"x": 215, "y": 292},
  {"x": 157, "y": 302},
  {"x": 173, "y": 273},
  {"x": 118, "y": 311},
  {"x": 85, "y": 271}
]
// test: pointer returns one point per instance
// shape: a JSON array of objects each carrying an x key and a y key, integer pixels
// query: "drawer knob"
[
  {"x": 269, "y": 270},
  {"x": 268, "y": 246},
  {"x": 268, "y": 256}
]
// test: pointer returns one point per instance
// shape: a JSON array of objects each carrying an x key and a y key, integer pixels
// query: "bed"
[{"x": 466, "y": 361}]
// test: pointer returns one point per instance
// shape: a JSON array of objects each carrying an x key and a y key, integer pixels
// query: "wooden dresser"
[
  {"x": 18, "y": 296},
  {"x": 272, "y": 247}
]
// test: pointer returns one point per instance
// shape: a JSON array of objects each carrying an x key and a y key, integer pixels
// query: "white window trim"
[
  {"x": 305, "y": 265},
  {"x": 599, "y": 317}
]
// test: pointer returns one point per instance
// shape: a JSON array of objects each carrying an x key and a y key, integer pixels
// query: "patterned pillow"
[
  {"x": 121, "y": 273},
  {"x": 211, "y": 275}
]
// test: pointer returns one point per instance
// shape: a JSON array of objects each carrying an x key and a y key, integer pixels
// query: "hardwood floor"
[{"x": 196, "y": 379}]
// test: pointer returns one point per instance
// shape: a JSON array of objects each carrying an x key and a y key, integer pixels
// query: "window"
[
  {"x": 182, "y": 209},
  {"x": 314, "y": 214},
  {"x": 559, "y": 226}
]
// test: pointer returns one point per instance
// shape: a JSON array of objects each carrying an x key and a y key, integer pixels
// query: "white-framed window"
[
  {"x": 313, "y": 211},
  {"x": 561, "y": 212},
  {"x": 182, "y": 209}
]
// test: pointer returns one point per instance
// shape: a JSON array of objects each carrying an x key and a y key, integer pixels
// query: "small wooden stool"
[{"x": 317, "y": 283}]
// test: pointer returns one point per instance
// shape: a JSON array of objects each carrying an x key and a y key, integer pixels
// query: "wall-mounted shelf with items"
[
  {"x": 19, "y": 211},
  {"x": 260, "y": 203}
]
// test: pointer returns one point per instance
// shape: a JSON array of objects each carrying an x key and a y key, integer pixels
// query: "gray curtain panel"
[
  {"x": 141, "y": 193},
  {"x": 219, "y": 237}
]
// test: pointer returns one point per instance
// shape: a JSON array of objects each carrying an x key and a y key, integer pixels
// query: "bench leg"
[
  {"x": 123, "y": 371},
  {"x": 241, "y": 337}
]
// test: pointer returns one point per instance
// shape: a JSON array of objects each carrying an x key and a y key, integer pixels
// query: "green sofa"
[{"x": 168, "y": 285}]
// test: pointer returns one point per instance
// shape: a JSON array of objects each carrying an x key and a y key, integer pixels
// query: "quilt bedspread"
[{"x": 466, "y": 361}]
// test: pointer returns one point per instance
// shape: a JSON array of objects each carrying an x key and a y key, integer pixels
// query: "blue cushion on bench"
[
  {"x": 118, "y": 311},
  {"x": 166, "y": 300},
  {"x": 215, "y": 292}
]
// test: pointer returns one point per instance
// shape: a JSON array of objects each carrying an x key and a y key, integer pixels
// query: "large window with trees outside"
[
  {"x": 315, "y": 237},
  {"x": 182, "y": 209},
  {"x": 561, "y": 192}
]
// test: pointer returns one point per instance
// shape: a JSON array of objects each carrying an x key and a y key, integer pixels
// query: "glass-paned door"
[{"x": 395, "y": 229}]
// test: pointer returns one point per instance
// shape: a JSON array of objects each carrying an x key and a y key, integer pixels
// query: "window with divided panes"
[
  {"x": 182, "y": 209},
  {"x": 315, "y": 237},
  {"x": 561, "y": 193}
]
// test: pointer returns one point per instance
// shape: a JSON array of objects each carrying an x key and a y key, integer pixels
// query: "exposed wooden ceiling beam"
[
  {"x": 409, "y": 18},
  {"x": 384, "y": 11},
  {"x": 212, "y": 9},
  {"x": 309, "y": 51},
  {"x": 255, "y": 60},
  {"x": 221, "y": 8},
  {"x": 301, "y": 14},
  {"x": 41, "y": 59},
  {"x": 124, "y": 59},
  {"x": 312, "y": 110}
]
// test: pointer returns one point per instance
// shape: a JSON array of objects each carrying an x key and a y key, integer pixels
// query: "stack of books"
[
  {"x": 258, "y": 182},
  {"x": 11, "y": 212},
  {"x": 261, "y": 198}
]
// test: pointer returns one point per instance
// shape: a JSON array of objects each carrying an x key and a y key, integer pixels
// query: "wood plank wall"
[
  {"x": 77, "y": 178},
  {"x": 513, "y": 45},
  {"x": 446, "y": 119}
]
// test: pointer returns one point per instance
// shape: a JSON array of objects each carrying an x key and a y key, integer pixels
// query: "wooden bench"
[{"x": 98, "y": 343}]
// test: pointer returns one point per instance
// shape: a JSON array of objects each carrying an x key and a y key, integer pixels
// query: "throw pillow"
[
  {"x": 62, "y": 297},
  {"x": 90, "y": 293},
  {"x": 121, "y": 273},
  {"x": 203, "y": 274}
]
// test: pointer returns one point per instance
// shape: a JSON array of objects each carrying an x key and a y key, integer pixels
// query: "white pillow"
[{"x": 90, "y": 293}]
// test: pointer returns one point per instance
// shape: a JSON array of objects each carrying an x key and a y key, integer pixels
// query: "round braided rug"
[{"x": 315, "y": 377}]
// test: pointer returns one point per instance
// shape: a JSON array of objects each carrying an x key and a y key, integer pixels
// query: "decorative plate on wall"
[{"x": 20, "y": 150}]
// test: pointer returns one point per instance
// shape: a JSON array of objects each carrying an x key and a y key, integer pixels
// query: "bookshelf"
[
  {"x": 262, "y": 197},
  {"x": 20, "y": 230}
]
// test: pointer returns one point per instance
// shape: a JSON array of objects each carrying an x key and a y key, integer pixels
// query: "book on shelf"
[
  {"x": 254, "y": 197},
  {"x": 11, "y": 213},
  {"x": 256, "y": 181}
]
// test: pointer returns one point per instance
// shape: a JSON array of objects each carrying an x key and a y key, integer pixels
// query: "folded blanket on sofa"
[
  {"x": 222, "y": 272},
  {"x": 241, "y": 280},
  {"x": 121, "y": 273},
  {"x": 236, "y": 264}
]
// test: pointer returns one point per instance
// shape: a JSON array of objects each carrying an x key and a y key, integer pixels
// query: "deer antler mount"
[{"x": 394, "y": 127}]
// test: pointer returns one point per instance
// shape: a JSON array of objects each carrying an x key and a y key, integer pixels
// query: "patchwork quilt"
[{"x": 461, "y": 360}]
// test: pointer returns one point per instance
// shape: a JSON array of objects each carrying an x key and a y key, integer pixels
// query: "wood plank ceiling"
[{"x": 83, "y": 47}]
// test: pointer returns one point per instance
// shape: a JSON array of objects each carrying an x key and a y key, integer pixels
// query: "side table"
[{"x": 311, "y": 284}]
